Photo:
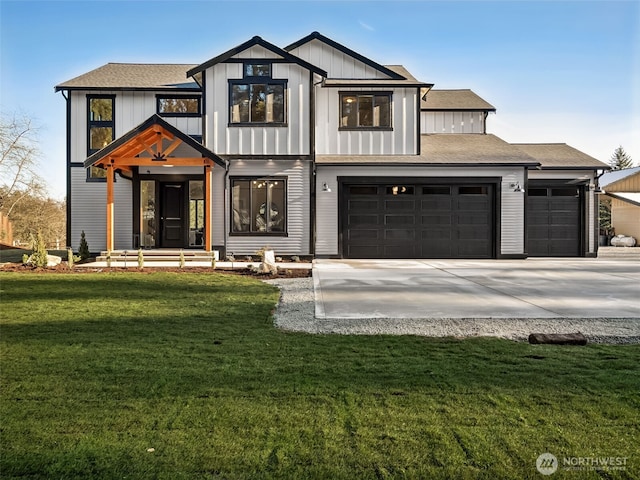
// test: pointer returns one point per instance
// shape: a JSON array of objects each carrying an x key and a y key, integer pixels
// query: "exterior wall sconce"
[
  {"x": 596, "y": 189},
  {"x": 517, "y": 188},
  {"x": 325, "y": 187}
]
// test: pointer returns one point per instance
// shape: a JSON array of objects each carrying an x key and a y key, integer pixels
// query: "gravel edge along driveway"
[{"x": 296, "y": 312}]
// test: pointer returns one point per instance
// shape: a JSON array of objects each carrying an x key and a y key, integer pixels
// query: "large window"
[
  {"x": 196, "y": 213},
  {"x": 365, "y": 110},
  {"x": 258, "y": 205},
  {"x": 257, "y": 98},
  {"x": 100, "y": 128},
  {"x": 178, "y": 106}
]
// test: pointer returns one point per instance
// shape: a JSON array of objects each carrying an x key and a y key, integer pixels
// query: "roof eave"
[
  {"x": 461, "y": 109},
  {"x": 573, "y": 167},
  {"x": 59, "y": 88}
]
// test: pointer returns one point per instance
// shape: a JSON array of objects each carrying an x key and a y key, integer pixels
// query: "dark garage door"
[
  {"x": 418, "y": 221},
  {"x": 553, "y": 221}
]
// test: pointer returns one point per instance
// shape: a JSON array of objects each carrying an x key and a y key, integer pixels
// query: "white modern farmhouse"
[{"x": 311, "y": 149}]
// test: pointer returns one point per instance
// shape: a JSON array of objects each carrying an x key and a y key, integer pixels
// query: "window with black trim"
[
  {"x": 371, "y": 110},
  {"x": 257, "y": 98},
  {"x": 100, "y": 128},
  {"x": 259, "y": 205},
  {"x": 178, "y": 105}
]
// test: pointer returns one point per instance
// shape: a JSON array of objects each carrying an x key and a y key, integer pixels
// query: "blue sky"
[{"x": 556, "y": 71}]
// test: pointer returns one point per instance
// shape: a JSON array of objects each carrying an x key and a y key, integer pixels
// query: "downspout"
[
  {"x": 312, "y": 152},
  {"x": 484, "y": 126},
  {"x": 68, "y": 199}
]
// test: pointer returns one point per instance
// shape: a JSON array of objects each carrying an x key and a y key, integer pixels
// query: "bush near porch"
[{"x": 183, "y": 376}]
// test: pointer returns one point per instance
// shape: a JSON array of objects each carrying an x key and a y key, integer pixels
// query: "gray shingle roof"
[
  {"x": 455, "y": 100},
  {"x": 133, "y": 76},
  {"x": 408, "y": 81},
  {"x": 560, "y": 155},
  {"x": 446, "y": 149}
]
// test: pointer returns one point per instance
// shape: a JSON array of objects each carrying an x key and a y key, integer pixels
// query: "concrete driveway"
[{"x": 532, "y": 288}]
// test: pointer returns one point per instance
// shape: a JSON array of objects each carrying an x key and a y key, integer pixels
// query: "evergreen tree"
[
  {"x": 83, "y": 251},
  {"x": 620, "y": 160}
]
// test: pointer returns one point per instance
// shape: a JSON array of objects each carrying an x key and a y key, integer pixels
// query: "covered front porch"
[{"x": 171, "y": 174}]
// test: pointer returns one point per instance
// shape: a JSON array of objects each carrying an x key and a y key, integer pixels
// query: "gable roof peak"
[
  {"x": 256, "y": 40},
  {"x": 352, "y": 53}
]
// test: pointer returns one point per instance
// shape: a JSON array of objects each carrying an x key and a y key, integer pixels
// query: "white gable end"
[
  {"x": 256, "y": 51},
  {"x": 337, "y": 64}
]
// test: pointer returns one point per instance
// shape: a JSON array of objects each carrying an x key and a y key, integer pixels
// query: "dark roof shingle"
[
  {"x": 560, "y": 155},
  {"x": 455, "y": 100},
  {"x": 133, "y": 76}
]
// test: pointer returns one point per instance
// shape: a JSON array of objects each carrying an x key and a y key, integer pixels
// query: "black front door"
[{"x": 172, "y": 215}]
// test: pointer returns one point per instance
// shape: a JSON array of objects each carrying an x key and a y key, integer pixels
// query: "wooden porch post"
[
  {"x": 208, "y": 237},
  {"x": 110, "y": 235}
]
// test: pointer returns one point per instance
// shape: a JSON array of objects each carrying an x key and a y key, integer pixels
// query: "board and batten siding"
[
  {"x": 131, "y": 107},
  {"x": 511, "y": 203},
  {"x": 89, "y": 203},
  {"x": 297, "y": 241},
  {"x": 452, "y": 122},
  {"x": 225, "y": 139},
  {"x": 590, "y": 205},
  {"x": 401, "y": 140},
  {"x": 336, "y": 63}
]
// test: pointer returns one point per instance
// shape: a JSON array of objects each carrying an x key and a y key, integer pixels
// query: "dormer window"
[{"x": 257, "y": 98}]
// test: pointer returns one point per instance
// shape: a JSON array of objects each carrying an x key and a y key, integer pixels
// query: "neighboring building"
[
  {"x": 622, "y": 187},
  {"x": 312, "y": 149}
]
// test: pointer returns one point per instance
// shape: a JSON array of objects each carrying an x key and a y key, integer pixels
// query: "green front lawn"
[{"x": 183, "y": 376}]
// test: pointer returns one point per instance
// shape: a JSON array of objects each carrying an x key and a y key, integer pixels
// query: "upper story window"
[
  {"x": 257, "y": 98},
  {"x": 100, "y": 128},
  {"x": 371, "y": 110},
  {"x": 178, "y": 106}
]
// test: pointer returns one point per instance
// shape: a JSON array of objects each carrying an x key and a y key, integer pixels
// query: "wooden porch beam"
[
  {"x": 110, "y": 209},
  {"x": 149, "y": 162}
]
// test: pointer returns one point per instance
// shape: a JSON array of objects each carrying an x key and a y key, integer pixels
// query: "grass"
[{"x": 182, "y": 376}]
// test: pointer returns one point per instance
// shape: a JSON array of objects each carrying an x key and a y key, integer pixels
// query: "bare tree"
[{"x": 19, "y": 156}]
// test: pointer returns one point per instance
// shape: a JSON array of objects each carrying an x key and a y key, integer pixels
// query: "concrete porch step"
[{"x": 158, "y": 255}]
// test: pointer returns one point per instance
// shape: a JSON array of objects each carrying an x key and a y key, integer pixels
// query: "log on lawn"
[{"x": 558, "y": 338}]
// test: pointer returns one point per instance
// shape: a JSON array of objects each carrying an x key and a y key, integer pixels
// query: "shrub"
[
  {"x": 83, "y": 251},
  {"x": 39, "y": 256}
]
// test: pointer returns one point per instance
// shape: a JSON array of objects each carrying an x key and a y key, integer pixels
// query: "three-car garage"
[{"x": 445, "y": 218}]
